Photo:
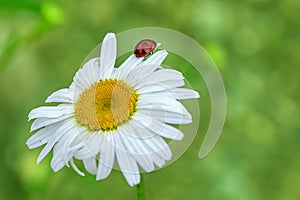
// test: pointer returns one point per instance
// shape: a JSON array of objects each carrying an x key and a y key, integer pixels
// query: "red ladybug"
[{"x": 144, "y": 48}]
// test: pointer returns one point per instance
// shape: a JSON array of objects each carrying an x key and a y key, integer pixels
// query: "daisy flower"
[{"x": 111, "y": 113}]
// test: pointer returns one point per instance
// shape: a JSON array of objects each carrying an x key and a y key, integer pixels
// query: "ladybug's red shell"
[{"x": 144, "y": 48}]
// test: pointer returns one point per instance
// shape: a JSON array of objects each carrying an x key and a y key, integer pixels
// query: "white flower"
[{"x": 113, "y": 113}]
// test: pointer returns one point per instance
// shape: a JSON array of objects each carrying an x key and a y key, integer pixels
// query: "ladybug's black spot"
[
  {"x": 143, "y": 51},
  {"x": 146, "y": 43}
]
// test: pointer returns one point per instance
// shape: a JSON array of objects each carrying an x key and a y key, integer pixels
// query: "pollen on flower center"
[{"x": 105, "y": 105}]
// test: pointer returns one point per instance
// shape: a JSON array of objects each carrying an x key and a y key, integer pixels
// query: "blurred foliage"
[{"x": 255, "y": 44}]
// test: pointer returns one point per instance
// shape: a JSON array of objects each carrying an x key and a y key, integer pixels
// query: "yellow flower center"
[{"x": 105, "y": 105}]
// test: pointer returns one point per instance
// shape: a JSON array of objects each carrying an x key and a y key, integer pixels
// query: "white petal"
[
  {"x": 126, "y": 163},
  {"x": 175, "y": 93},
  {"x": 77, "y": 90},
  {"x": 155, "y": 143},
  {"x": 86, "y": 76},
  {"x": 80, "y": 80},
  {"x": 51, "y": 111},
  {"x": 162, "y": 104},
  {"x": 165, "y": 94},
  {"x": 158, "y": 160},
  {"x": 142, "y": 140},
  {"x": 159, "y": 146},
  {"x": 135, "y": 147},
  {"x": 160, "y": 87},
  {"x": 41, "y": 122},
  {"x": 107, "y": 157},
  {"x": 157, "y": 58},
  {"x": 59, "y": 159},
  {"x": 63, "y": 129},
  {"x": 156, "y": 153},
  {"x": 139, "y": 73},
  {"x": 108, "y": 55},
  {"x": 146, "y": 68},
  {"x": 167, "y": 116},
  {"x": 56, "y": 162},
  {"x": 165, "y": 130},
  {"x": 91, "y": 70},
  {"x": 39, "y": 138},
  {"x": 46, "y": 134},
  {"x": 184, "y": 93},
  {"x": 76, "y": 168},
  {"x": 90, "y": 145},
  {"x": 90, "y": 165},
  {"x": 61, "y": 96},
  {"x": 127, "y": 66},
  {"x": 161, "y": 76},
  {"x": 72, "y": 140}
]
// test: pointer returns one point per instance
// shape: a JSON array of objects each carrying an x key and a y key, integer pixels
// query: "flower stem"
[{"x": 140, "y": 189}]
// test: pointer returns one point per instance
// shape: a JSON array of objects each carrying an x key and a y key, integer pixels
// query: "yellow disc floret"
[{"x": 105, "y": 105}]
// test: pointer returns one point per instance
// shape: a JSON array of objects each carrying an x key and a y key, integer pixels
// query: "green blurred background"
[{"x": 255, "y": 44}]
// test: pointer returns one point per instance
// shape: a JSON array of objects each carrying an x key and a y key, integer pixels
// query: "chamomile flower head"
[{"x": 113, "y": 113}]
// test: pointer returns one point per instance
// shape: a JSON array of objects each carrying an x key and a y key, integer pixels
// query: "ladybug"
[{"x": 144, "y": 48}]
